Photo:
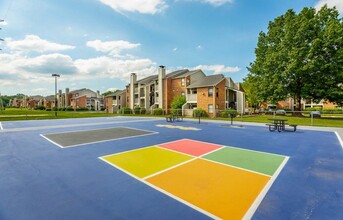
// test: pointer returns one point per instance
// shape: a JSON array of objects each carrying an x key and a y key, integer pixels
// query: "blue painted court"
[{"x": 146, "y": 168}]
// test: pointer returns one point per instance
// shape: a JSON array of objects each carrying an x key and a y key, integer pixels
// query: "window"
[
  {"x": 210, "y": 92},
  {"x": 183, "y": 82},
  {"x": 217, "y": 92},
  {"x": 210, "y": 108}
]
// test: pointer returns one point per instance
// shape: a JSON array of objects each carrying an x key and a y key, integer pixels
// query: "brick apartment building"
[
  {"x": 82, "y": 98},
  {"x": 85, "y": 98},
  {"x": 210, "y": 93},
  {"x": 289, "y": 103},
  {"x": 115, "y": 101}
]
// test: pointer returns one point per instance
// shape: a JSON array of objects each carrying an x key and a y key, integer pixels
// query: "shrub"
[
  {"x": 125, "y": 110},
  {"x": 143, "y": 111},
  {"x": 137, "y": 110},
  {"x": 225, "y": 113},
  {"x": 69, "y": 108},
  {"x": 82, "y": 109},
  {"x": 103, "y": 109},
  {"x": 48, "y": 109},
  {"x": 313, "y": 109},
  {"x": 54, "y": 109},
  {"x": 158, "y": 111},
  {"x": 333, "y": 110},
  {"x": 200, "y": 111},
  {"x": 40, "y": 107}
]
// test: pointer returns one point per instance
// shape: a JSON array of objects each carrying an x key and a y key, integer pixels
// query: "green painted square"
[
  {"x": 147, "y": 161},
  {"x": 251, "y": 160}
]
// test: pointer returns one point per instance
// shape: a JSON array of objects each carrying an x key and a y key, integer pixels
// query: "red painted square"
[{"x": 191, "y": 147}]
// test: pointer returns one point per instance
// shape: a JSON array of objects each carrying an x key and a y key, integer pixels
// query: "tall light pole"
[{"x": 55, "y": 75}]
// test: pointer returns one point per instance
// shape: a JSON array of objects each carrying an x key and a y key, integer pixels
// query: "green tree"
[
  {"x": 178, "y": 102},
  {"x": 250, "y": 93},
  {"x": 300, "y": 56},
  {"x": 109, "y": 93}
]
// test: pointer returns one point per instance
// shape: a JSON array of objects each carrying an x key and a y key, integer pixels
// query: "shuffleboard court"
[{"x": 76, "y": 138}]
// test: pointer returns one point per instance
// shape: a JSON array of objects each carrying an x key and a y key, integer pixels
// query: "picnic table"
[
  {"x": 279, "y": 124},
  {"x": 174, "y": 117}
]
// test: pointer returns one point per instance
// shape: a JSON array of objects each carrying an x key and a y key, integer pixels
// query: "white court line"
[
  {"x": 51, "y": 141},
  {"x": 339, "y": 139},
  {"x": 263, "y": 193},
  {"x": 1, "y": 128},
  {"x": 73, "y": 125},
  {"x": 164, "y": 192}
]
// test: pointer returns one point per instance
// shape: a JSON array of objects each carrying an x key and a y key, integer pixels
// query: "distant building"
[
  {"x": 86, "y": 98},
  {"x": 115, "y": 101}
]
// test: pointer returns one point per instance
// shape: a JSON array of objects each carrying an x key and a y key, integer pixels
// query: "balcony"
[{"x": 191, "y": 97}]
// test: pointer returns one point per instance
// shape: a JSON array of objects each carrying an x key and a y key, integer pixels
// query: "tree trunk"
[{"x": 297, "y": 106}]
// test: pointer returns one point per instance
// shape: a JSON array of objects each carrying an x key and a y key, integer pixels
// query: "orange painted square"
[
  {"x": 224, "y": 191},
  {"x": 191, "y": 147}
]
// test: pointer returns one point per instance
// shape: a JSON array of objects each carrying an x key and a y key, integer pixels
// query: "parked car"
[
  {"x": 269, "y": 112},
  {"x": 280, "y": 112},
  {"x": 315, "y": 114}
]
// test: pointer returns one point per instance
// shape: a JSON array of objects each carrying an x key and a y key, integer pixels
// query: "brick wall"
[
  {"x": 220, "y": 100},
  {"x": 173, "y": 88},
  {"x": 204, "y": 100},
  {"x": 108, "y": 103}
]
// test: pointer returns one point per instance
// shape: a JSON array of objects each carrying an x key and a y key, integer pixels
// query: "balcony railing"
[{"x": 191, "y": 97}]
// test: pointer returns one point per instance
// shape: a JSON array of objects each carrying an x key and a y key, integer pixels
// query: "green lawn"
[
  {"x": 326, "y": 121},
  {"x": 11, "y": 114}
]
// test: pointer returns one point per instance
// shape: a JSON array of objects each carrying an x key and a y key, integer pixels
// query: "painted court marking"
[
  {"x": 339, "y": 139},
  {"x": 179, "y": 127},
  {"x": 82, "y": 132},
  {"x": 1, "y": 128},
  {"x": 74, "y": 125},
  {"x": 248, "y": 213},
  {"x": 161, "y": 190}
]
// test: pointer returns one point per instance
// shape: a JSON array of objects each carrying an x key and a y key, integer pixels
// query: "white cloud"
[
  {"x": 199, "y": 47},
  {"x": 330, "y": 3},
  {"x": 141, "y": 6},
  {"x": 3, "y": 23},
  {"x": 35, "y": 43},
  {"x": 217, "y": 69},
  {"x": 47, "y": 64},
  {"x": 107, "y": 67},
  {"x": 217, "y": 2},
  {"x": 175, "y": 49},
  {"x": 111, "y": 89},
  {"x": 112, "y": 47}
]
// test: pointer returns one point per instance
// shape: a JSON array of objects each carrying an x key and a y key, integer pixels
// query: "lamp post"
[{"x": 55, "y": 75}]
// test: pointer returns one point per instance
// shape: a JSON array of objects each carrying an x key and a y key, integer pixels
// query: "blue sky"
[{"x": 96, "y": 44}]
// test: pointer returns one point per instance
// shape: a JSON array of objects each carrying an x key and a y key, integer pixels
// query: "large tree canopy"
[{"x": 300, "y": 56}]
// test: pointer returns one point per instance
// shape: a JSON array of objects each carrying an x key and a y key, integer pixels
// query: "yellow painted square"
[
  {"x": 224, "y": 191},
  {"x": 146, "y": 161}
]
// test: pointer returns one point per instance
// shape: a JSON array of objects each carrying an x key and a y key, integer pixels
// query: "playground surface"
[{"x": 147, "y": 168}]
